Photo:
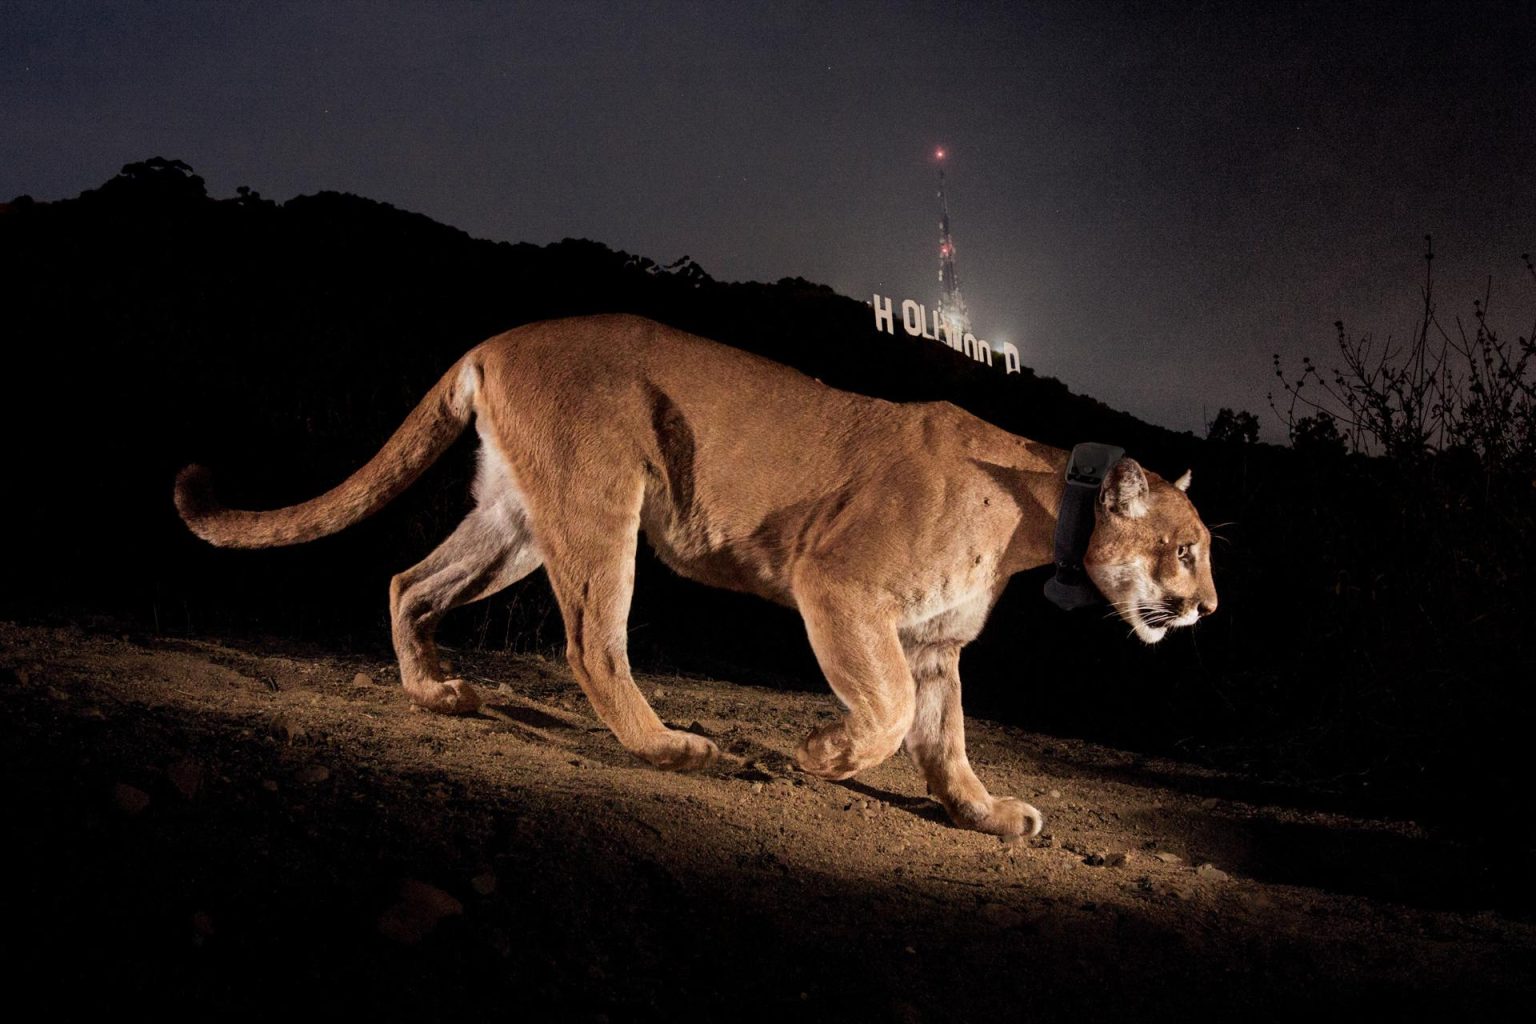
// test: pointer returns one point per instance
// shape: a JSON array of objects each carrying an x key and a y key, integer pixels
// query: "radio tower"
[{"x": 951, "y": 304}]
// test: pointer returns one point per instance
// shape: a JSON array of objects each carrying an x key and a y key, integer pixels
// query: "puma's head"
[{"x": 1150, "y": 555}]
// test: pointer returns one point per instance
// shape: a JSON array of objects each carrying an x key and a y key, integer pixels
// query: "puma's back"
[{"x": 747, "y": 462}]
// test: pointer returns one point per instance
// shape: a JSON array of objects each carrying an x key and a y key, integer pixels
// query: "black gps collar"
[{"x": 1070, "y": 588}]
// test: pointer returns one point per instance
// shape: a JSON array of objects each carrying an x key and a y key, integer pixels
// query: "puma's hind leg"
[
  {"x": 591, "y": 565},
  {"x": 491, "y": 549},
  {"x": 937, "y": 744}
]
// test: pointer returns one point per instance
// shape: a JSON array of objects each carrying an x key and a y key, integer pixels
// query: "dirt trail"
[{"x": 207, "y": 827}]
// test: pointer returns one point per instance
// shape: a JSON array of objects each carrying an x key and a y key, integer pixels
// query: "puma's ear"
[
  {"x": 1182, "y": 483},
  {"x": 1124, "y": 491}
]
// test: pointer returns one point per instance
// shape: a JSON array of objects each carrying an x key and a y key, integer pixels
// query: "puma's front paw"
[
  {"x": 678, "y": 751},
  {"x": 827, "y": 753},
  {"x": 450, "y": 697},
  {"x": 1007, "y": 816}
]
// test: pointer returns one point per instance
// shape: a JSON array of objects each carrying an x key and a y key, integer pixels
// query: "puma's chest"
[{"x": 958, "y": 622}]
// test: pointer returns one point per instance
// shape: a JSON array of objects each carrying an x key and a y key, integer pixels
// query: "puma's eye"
[{"x": 1186, "y": 555}]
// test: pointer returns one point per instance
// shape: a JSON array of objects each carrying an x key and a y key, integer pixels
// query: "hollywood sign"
[{"x": 919, "y": 322}]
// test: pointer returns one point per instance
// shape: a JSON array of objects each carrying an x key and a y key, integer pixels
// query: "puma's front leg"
[
  {"x": 937, "y": 744},
  {"x": 860, "y": 654}
]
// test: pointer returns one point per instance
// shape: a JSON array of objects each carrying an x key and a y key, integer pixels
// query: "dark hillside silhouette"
[{"x": 1370, "y": 626}]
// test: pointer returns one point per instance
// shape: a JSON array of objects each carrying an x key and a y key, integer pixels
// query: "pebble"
[
  {"x": 1002, "y": 916},
  {"x": 1211, "y": 871},
  {"x": 289, "y": 731},
  {"x": 1054, "y": 794},
  {"x": 312, "y": 773},
  {"x": 417, "y": 911},
  {"x": 501, "y": 942},
  {"x": 757, "y": 787},
  {"x": 1169, "y": 858},
  {"x": 362, "y": 679},
  {"x": 130, "y": 800},
  {"x": 1120, "y": 858},
  {"x": 187, "y": 776},
  {"x": 483, "y": 883},
  {"x": 270, "y": 785}
]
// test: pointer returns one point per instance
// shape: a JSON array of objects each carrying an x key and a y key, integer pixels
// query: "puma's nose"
[{"x": 1207, "y": 607}]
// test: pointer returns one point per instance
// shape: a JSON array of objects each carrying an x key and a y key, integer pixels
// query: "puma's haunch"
[{"x": 891, "y": 528}]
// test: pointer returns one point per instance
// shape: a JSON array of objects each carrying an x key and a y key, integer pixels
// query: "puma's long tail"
[{"x": 427, "y": 432}]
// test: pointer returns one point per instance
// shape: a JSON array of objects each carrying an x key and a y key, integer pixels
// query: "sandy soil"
[{"x": 207, "y": 827}]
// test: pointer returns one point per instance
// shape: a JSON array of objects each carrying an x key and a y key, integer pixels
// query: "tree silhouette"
[
  {"x": 156, "y": 181},
  {"x": 1317, "y": 435},
  {"x": 1241, "y": 427}
]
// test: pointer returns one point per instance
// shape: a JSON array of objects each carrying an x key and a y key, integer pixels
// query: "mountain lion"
[{"x": 892, "y": 528}]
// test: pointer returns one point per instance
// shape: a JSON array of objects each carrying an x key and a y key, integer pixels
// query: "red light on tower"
[{"x": 951, "y": 305}]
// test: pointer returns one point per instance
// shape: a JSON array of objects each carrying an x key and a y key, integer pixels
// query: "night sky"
[{"x": 1147, "y": 199}]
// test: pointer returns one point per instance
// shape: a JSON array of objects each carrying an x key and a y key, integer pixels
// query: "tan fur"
[
  {"x": 891, "y": 528},
  {"x": 1150, "y": 555}
]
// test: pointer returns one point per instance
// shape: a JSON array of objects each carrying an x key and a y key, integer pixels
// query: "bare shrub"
[{"x": 1465, "y": 387}]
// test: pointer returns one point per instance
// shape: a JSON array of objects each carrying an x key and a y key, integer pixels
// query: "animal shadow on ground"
[{"x": 917, "y": 806}]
